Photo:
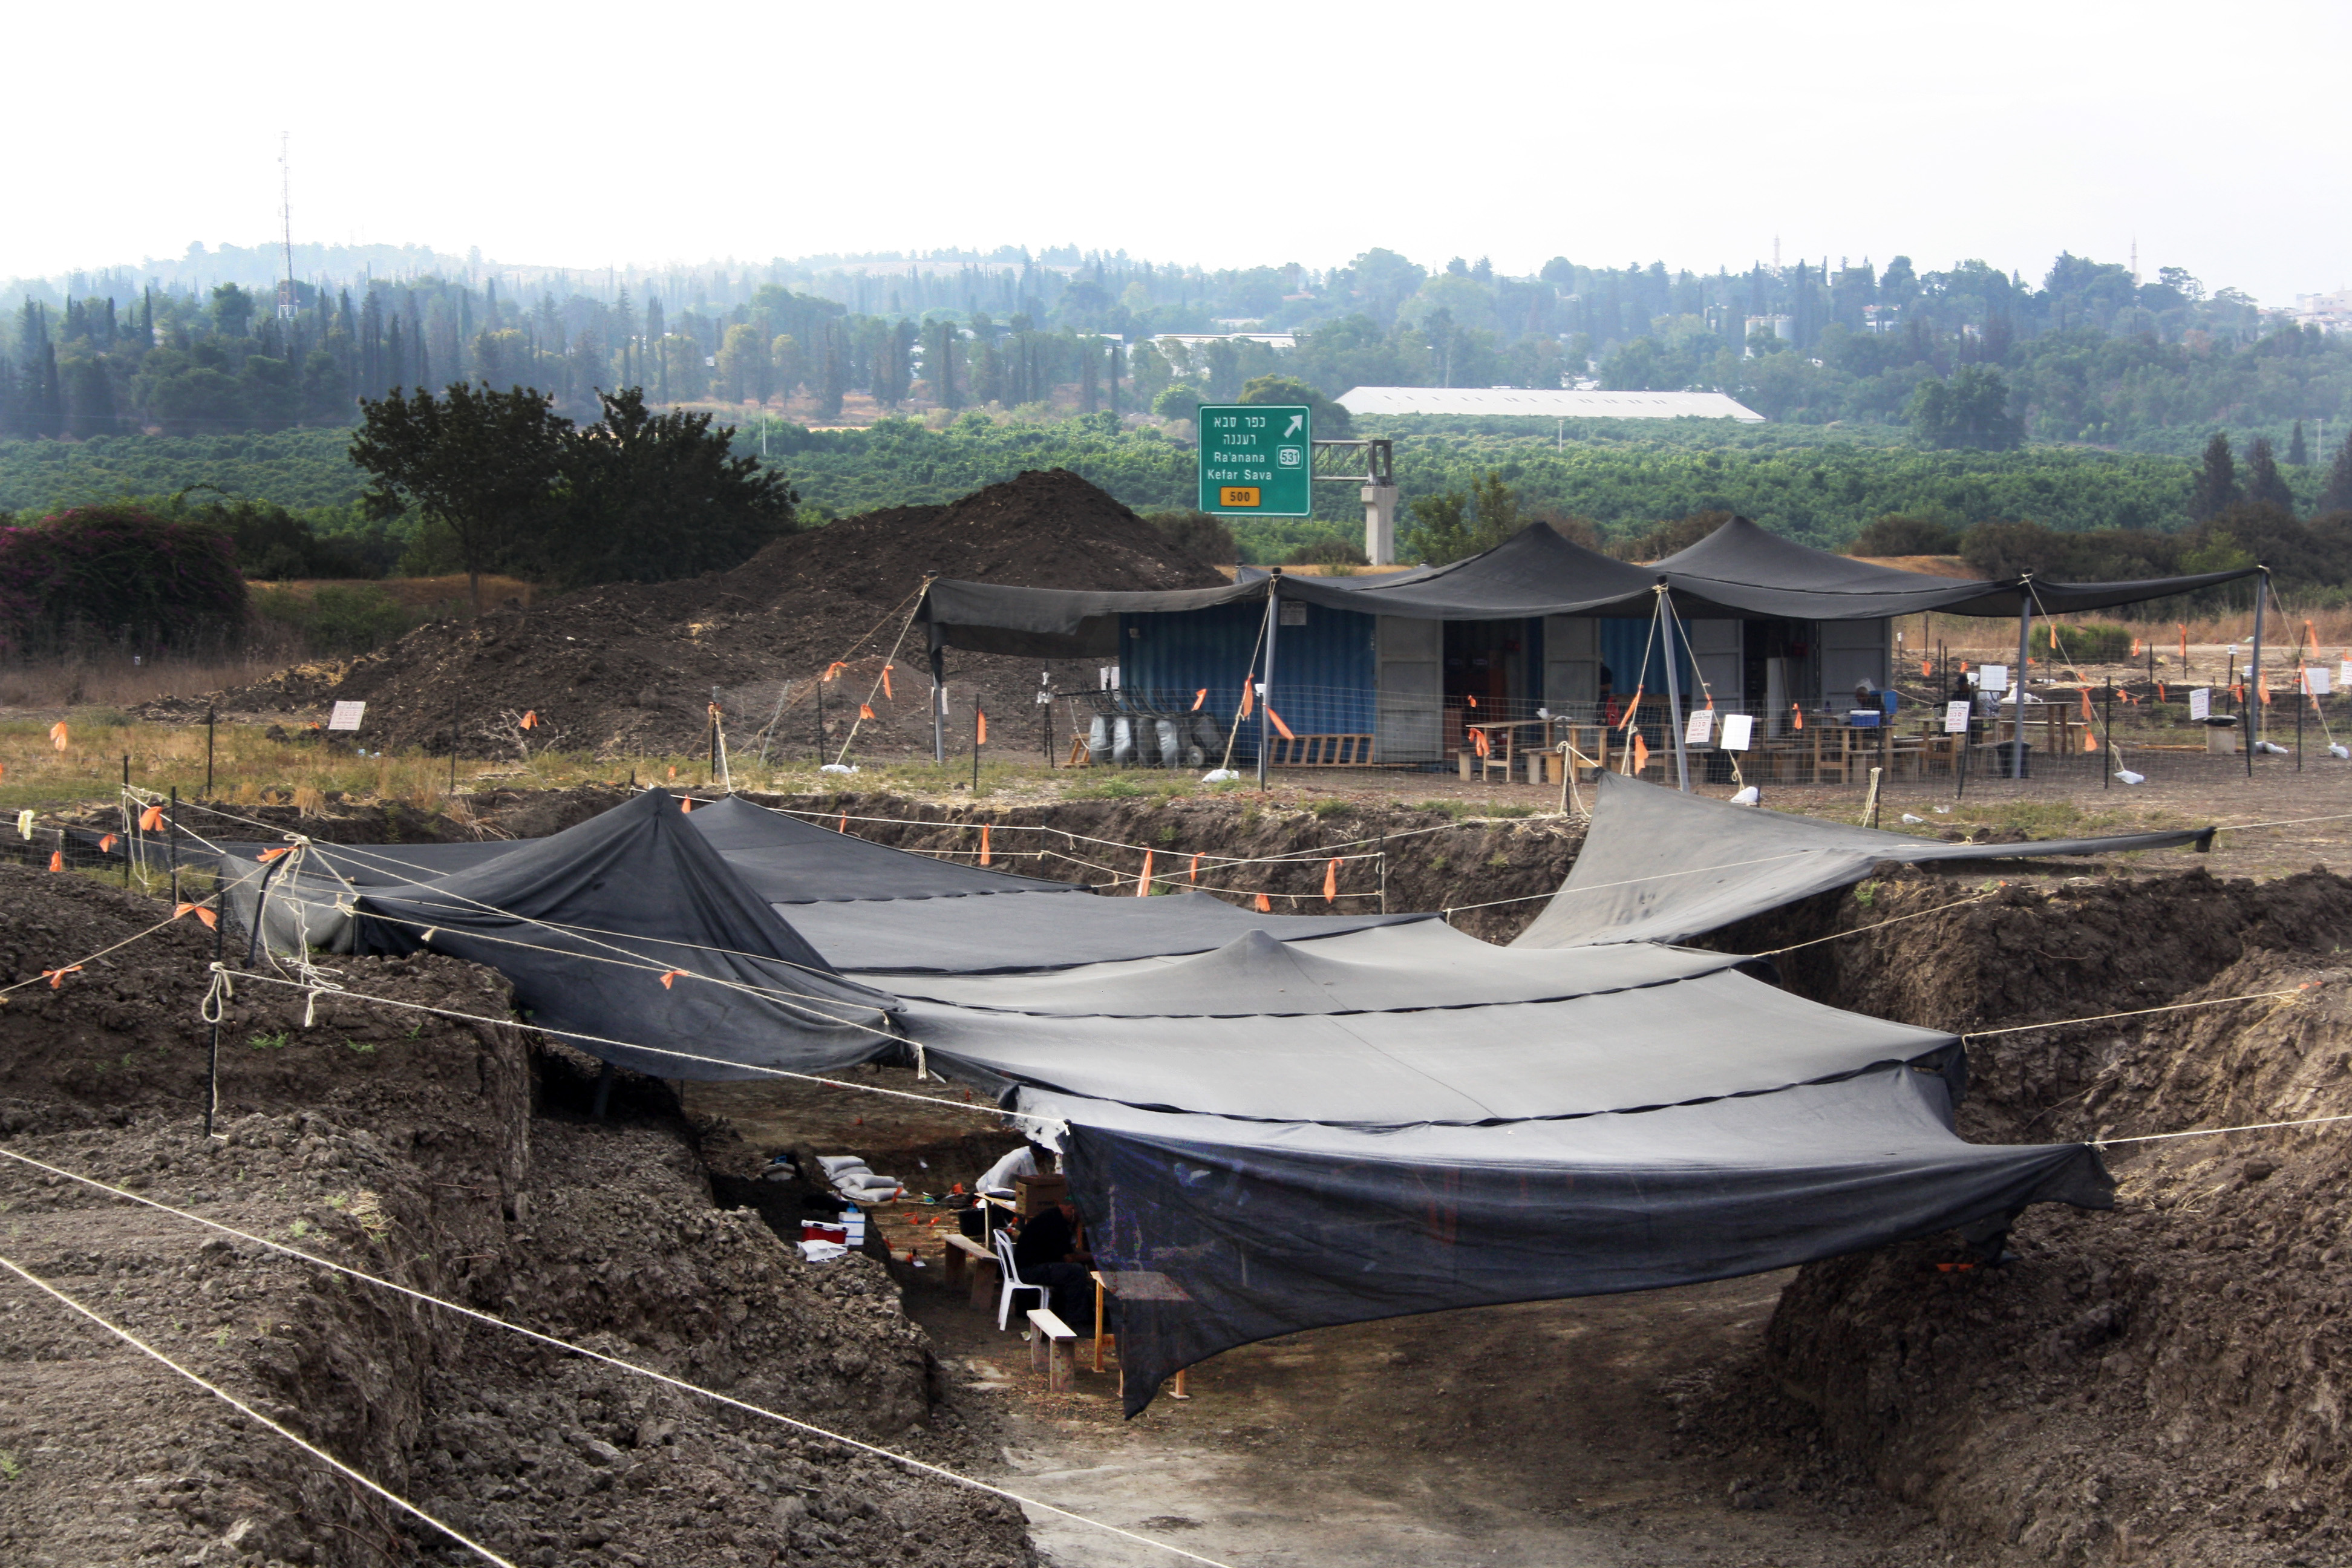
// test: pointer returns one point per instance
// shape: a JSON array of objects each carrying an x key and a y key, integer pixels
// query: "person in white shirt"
[{"x": 1022, "y": 1162}]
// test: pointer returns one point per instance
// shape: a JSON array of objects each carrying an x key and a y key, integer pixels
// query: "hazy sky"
[{"x": 1218, "y": 132}]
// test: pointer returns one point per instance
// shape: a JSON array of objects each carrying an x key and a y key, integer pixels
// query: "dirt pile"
[
  {"x": 630, "y": 667},
  {"x": 2157, "y": 1384},
  {"x": 454, "y": 1159}
]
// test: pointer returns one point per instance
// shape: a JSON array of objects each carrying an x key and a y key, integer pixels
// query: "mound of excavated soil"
[
  {"x": 2154, "y": 1384},
  {"x": 456, "y": 1159},
  {"x": 630, "y": 667}
]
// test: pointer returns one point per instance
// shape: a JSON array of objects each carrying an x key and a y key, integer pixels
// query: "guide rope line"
[
  {"x": 2218, "y": 1132},
  {"x": 2138, "y": 1013},
  {"x": 906, "y": 1461},
  {"x": 1312, "y": 854},
  {"x": 2289, "y": 822},
  {"x": 1898, "y": 920},
  {"x": 976, "y": 1107},
  {"x": 906, "y": 627},
  {"x": 250, "y": 1413}
]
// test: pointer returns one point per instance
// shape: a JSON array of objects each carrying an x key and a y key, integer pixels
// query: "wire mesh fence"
[{"x": 2068, "y": 741}]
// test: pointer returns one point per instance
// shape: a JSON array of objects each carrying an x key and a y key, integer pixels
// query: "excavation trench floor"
[{"x": 1544, "y": 1434}]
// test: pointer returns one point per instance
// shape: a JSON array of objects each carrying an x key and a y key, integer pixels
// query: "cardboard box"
[{"x": 1036, "y": 1194}]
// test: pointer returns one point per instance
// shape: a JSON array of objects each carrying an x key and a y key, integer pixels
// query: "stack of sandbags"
[{"x": 854, "y": 1179}]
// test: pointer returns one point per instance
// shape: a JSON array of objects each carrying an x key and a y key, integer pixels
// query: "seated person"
[
  {"x": 1051, "y": 1251},
  {"x": 1029, "y": 1160}
]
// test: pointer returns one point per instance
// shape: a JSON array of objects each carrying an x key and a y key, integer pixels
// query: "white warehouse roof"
[{"x": 1546, "y": 404}]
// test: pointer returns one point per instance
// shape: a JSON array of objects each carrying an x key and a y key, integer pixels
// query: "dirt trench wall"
[
  {"x": 2157, "y": 1384},
  {"x": 410, "y": 1147},
  {"x": 1434, "y": 862}
]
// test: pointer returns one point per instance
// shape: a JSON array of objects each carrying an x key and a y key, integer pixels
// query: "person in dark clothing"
[{"x": 1051, "y": 1251}]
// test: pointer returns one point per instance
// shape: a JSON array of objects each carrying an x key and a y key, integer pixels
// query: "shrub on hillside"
[
  {"x": 1198, "y": 533},
  {"x": 118, "y": 575},
  {"x": 336, "y": 618},
  {"x": 2093, "y": 642}
]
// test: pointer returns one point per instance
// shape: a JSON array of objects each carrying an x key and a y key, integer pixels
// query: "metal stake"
[
  {"x": 2254, "y": 673},
  {"x": 1265, "y": 698},
  {"x": 2017, "y": 680}
]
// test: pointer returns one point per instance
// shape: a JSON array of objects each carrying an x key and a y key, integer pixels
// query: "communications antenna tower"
[{"x": 286, "y": 223}]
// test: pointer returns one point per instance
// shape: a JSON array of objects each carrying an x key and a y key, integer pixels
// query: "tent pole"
[
  {"x": 938, "y": 707},
  {"x": 1265, "y": 698},
  {"x": 2017, "y": 678},
  {"x": 1674, "y": 692},
  {"x": 2255, "y": 674}
]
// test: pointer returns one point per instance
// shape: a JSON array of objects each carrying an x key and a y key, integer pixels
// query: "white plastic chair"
[{"x": 1011, "y": 1280}]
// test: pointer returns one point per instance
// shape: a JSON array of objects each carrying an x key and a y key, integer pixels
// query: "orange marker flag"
[
  {"x": 1195, "y": 872},
  {"x": 1143, "y": 883},
  {"x": 669, "y": 976},
  {"x": 2161, "y": 695},
  {"x": 1249, "y": 698},
  {"x": 685, "y": 803},
  {"x": 2135, "y": 653},
  {"x": 834, "y": 670},
  {"x": 152, "y": 819},
  {"x": 1200, "y": 697},
  {"x": 56, "y": 859},
  {"x": 58, "y": 734},
  {"x": 866, "y": 710},
  {"x": 1964, "y": 666},
  {"x": 1280, "y": 727},
  {"x": 980, "y": 720},
  {"x": 106, "y": 845},
  {"x": 1799, "y": 710},
  {"x": 56, "y": 978},
  {"x": 530, "y": 719},
  {"x": 2267, "y": 695},
  {"x": 199, "y": 911},
  {"x": 984, "y": 855},
  {"x": 1331, "y": 881},
  {"x": 1473, "y": 700},
  {"x": 2087, "y": 714},
  {"x": 268, "y": 854},
  {"x": 1265, "y": 905},
  {"x": 673, "y": 773},
  {"x": 843, "y": 827},
  {"x": 1641, "y": 753},
  {"x": 1926, "y": 667},
  {"x": 1478, "y": 742},
  {"x": 886, "y": 692},
  {"x": 1633, "y": 709}
]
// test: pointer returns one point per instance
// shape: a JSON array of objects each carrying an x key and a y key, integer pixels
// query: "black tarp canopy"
[
  {"x": 1271, "y": 1123},
  {"x": 1737, "y": 572},
  {"x": 1661, "y": 866},
  {"x": 1746, "y": 568}
]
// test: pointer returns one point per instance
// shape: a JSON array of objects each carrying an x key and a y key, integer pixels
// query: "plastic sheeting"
[
  {"x": 588, "y": 922},
  {"x": 1661, "y": 866},
  {"x": 1216, "y": 1233}
]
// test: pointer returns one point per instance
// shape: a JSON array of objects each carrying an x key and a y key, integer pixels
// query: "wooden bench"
[
  {"x": 1053, "y": 1350},
  {"x": 1322, "y": 751},
  {"x": 963, "y": 1251}
]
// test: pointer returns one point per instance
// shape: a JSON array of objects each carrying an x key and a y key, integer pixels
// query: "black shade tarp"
[
  {"x": 587, "y": 923},
  {"x": 1661, "y": 866},
  {"x": 1739, "y": 570},
  {"x": 1217, "y": 1233},
  {"x": 310, "y": 904},
  {"x": 787, "y": 860},
  {"x": 1745, "y": 567}
]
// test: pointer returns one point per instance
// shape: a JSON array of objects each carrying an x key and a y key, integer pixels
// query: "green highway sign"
[{"x": 1257, "y": 459}]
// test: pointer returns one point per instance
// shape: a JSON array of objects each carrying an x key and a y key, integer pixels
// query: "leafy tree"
[
  {"x": 2336, "y": 494},
  {"x": 2298, "y": 451},
  {"x": 1181, "y": 401},
  {"x": 2265, "y": 485},
  {"x": 121, "y": 573},
  {"x": 1328, "y": 419},
  {"x": 745, "y": 365},
  {"x": 1452, "y": 525},
  {"x": 2217, "y": 481},
  {"x": 644, "y": 497},
  {"x": 479, "y": 465},
  {"x": 1967, "y": 409}
]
